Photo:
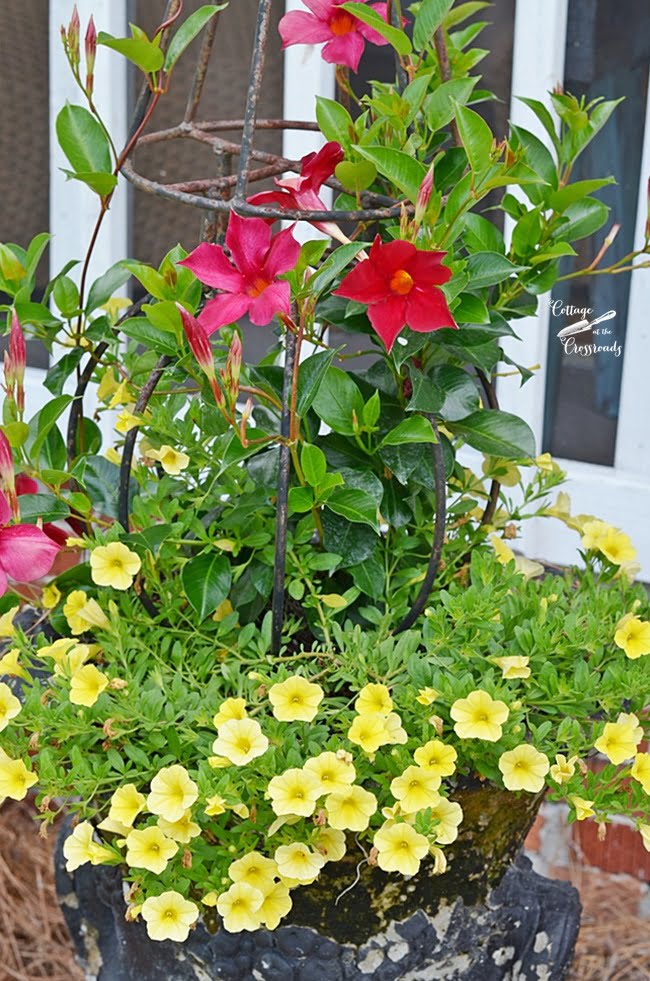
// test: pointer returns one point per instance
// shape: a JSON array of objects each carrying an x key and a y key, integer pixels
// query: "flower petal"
[
  {"x": 210, "y": 264},
  {"x": 391, "y": 256},
  {"x": 226, "y": 308},
  {"x": 282, "y": 198},
  {"x": 427, "y": 310},
  {"x": 316, "y": 168},
  {"x": 299, "y": 27},
  {"x": 5, "y": 510},
  {"x": 364, "y": 284},
  {"x": 370, "y": 33},
  {"x": 345, "y": 49},
  {"x": 275, "y": 299},
  {"x": 282, "y": 255},
  {"x": 427, "y": 270},
  {"x": 248, "y": 240},
  {"x": 26, "y": 552},
  {"x": 25, "y": 484},
  {"x": 388, "y": 318}
]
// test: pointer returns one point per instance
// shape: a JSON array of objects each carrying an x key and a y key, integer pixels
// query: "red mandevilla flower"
[
  {"x": 303, "y": 191},
  {"x": 249, "y": 280},
  {"x": 399, "y": 283},
  {"x": 26, "y": 552},
  {"x": 345, "y": 35}
]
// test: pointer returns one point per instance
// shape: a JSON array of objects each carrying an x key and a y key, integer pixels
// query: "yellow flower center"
[
  {"x": 244, "y": 746},
  {"x": 117, "y": 564},
  {"x": 342, "y": 23},
  {"x": 401, "y": 283},
  {"x": 170, "y": 914}
]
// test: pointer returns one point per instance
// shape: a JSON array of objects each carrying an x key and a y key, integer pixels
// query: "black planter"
[{"x": 525, "y": 929}]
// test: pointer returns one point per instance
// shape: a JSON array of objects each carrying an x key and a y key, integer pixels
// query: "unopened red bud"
[
  {"x": 198, "y": 341},
  {"x": 245, "y": 416},
  {"x": 18, "y": 355},
  {"x": 91, "y": 51},
  {"x": 424, "y": 196},
  {"x": 7, "y": 473},
  {"x": 74, "y": 32},
  {"x": 235, "y": 356}
]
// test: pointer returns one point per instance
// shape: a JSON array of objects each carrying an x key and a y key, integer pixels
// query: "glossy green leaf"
[
  {"x": 333, "y": 266},
  {"x": 334, "y": 121},
  {"x": 206, "y": 582},
  {"x": 310, "y": 375},
  {"x": 83, "y": 141},
  {"x": 429, "y": 18},
  {"x": 41, "y": 424},
  {"x": 313, "y": 463},
  {"x": 44, "y": 506},
  {"x": 476, "y": 136},
  {"x": 337, "y": 400},
  {"x": 402, "y": 170},
  {"x": 480, "y": 235},
  {"x": 489, "y": 268},
  {"x": 497, "y": 433},
  {"x": 582, "y": 219},
  {"x": 102, "y": 184},
  {"x": 441, "y": 105},
  {"x": 142, "y": 53},
  {"x": 106, "y": 286},
  {"x": 394, "y": 35},
  {"x": 188, "y": 30},
  {"x": 416, "y": 429},
  {"x": 561, "y": 199},
  {"x": 66, "y": 296},
  {"x": 355, "y": 505}
]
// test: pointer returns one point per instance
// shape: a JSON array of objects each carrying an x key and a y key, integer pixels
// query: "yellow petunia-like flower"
[
  {"x": 7, "y": 628},
  {"x": 563, "y": 769},
  {"x": 594, "y": 533},
  {"x": 583, "y": 808},
  {"x": 216, "y": 806},
  {"x": 415, "y": 789},
  {"x": 255, "y": 869},
  {"x": 182, "y": 830},
  {"x": 449, "y": 815},
  {"x": 277, "y": 903},
  {"x": 524, "y": 768},
  {"x": 641, "y": 770},
  {"x": 400, "y": 848},
  {"x": 80, "y": 849},
  {"x": 369, "y": 732},
  {"x": 114, "y": 565},
  {"x": 240, "y": 741},
  {"x": 374, "y": 700},
  {"x": 239, "y": 908},
  {"x": 232, "y": 708},
  {"x": 513, "y": 666},
  {"x": 127, "y": 421},
  {"x": 619, "y": 741},
  {"x": 172, "y": 793},
  {"x": 87, "y": 685},
  {"x": 426, "y": 696},
  {"x": 395, "y": 732},
  {"x": 149, "y": 849},
  {"x": 633, "y": 636},
  {"x": 126, "y": 803},
  {"x": 331, "y": 844},
  {"x": 295, "y": 700},
  {"x": 503, "y": 552},
  {"x": 169, "y": 916},
  {"x": 350, "y": 809},
  {"x": 297, "y": 862},
  {"x": 437, "y": 757},
  {"x": 617, "y": 547},
  {"x": 294, "y": 792},
  {"x": 15, "y": 778},
  {"x": 9, "y": 705},
  {"x": 331, "y": 772},
  {"x": 83, "y": 612},
  {"x": 479, "y": 716},
  {"x": 10, "y": 664},
  {"x": 644, "y": 830},
  {"x": 172, "y": 461}
]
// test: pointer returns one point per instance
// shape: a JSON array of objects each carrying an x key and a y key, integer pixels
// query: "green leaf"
[
  {"x": 370, "y": 576},
  {"x": 394, "y": 35},
  {"x": 463, "y": 11},
  {"x": 354, "y": 541},
  {"x": 356, "y": 505},
  {"x": 313, "y": 463},
  {"x": 427, "y": 396},
  {"x": 440, "y": 107},
  {"x": 337, "y": 399},
  {"x": 372, "y": 410},
  {"x": 41, "y": 424},
  {"x": 35, "y": 251},
  {"x": 331, "y": 268},
  {"x": 310, "y": 375},
  {"x": 102, "y": 184},
  {"x": 526, "y": 233},
  {"x": 83, "y": 141},
  {"x": 17, "y": 433},
  {"x": 416, "y": 429},
  {"x": 140, "y": 330},
  {"x": 402, "y": 170},
  {"x": 144, "y": 54},
  {"x": 150, "y": 278},
  {"x": 66, "y": 296},
  {"x": 461, "y": 393},
  {"x": 189, "y": 30},
  {"x": 489, "y": 268},
  {"x": 44, "y": 506},
  {"x": 497, "y": 433},
  {"x": 480, "y": 235},
  {"x": 471, "y": 310},
  {"x": 545, "y": 118},
  {"x": 206, "y": 582},
  {"x": 582, "y": 219},
  {"x": 103, "y": 288},
  {"x": 560, "y": 200},
  {"x": 356, "y": 177},
  {"x": 476, "y": 136},
  {"x": 429, "y": 18},
  {"x": 61, "y": 370},
  {"x": 334, "y": 121},
  {"x": 553, "y": 251},
  {"x": 300, "y": 499}
]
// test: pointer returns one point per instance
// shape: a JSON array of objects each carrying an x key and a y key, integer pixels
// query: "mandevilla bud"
[
  {"x": 74, "y": 31},
  {"x": 91, "y": 51},
  {"x": 424, "y": 196},
  {"x": 7, "y": 473},
  {"x": 18, "y": 355}
]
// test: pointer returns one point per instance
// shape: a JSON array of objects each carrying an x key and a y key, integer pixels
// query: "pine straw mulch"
[{"x": 614, "y": 943}]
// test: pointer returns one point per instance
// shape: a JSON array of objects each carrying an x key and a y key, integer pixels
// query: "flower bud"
[
  {"x": 199, "y": 343},
  {"x": 7, "y": 473},
  {"x": 91, "y": 51},
  {"x": 10, "y": 378},
  {"x": 245, "y": 416},
  {"x": 18, "y": 355},
  {"x": 74, "y": 31},
  {"x": 424, "y": 196}
]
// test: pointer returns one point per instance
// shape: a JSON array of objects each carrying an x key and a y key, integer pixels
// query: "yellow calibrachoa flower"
[
  {"x": 331, "y": 844},
  {"x": 644, "y": 829},
  {"x": 239, "y": 908},
  {"x": 332, "y": 773},
  {"x": 172, "y": 793},
  {"x": 374, "y": 700},
  {"x": 504, "y": 553},
  {"x": 594, "y": 533},
  {"x": 437, "y": 757},
  {"x": 9, "y": 664},
  {"x": 294, "y": 792},
  {"x": 9, "y": 705},
  {"x": 74, "y": 659},
  {"x": 400, "y": 848},
  {"x": 114, "y": 827},
  {"x": 240, "y": 741},
  {"x": 15, "y": 778},
  {"x": 617, "y": 547},
  {"x": 350, "y": 809},
  {"x": 172, "y": 461},
  {"x": 426, "y": 696},
  {"x": 216, "y": 806},
  {"x": 524, "y": 768},
  {"x": 295, "y": 700},
  {"x": 126, "y": 803},
  {"x": 114, "y": 565},
  {"x": 583, "y": 808},
  {"x": 505, "y": 471},
  {"x": 633, "y": 636},
  {"x": 58, "y": 649},
  {"x": 298, "y": 862},
  {"x": 79, "y": 848},
  {"x": 563, "y": 769},
  {"x": 369, "y": 732},
  {"x": 255, "y": 869},
  {"x": 395, "y": 732},
  {"x": 182, "y": 830},
  {"x": 439, "y": 860},
  {"x": 126, "y": 421},
  {"x": 449, "y": 815},
  {"x": 415, "y": 789},
  {"x": 277, "y": 903},
  {"x": 641, "y": 770},
  {"x": 83, "y": 612},
  {"x": 619, "y": 741},
  {"x": 232, "y": 708},
  {"x": 479, "y": 716},
  {"x": 169, "y": 916},
  {"x": 149, "y": 849},
  {"x": 210, "y": 899},
  {"x": 87, "y": 685},
  {"x": 513, "y": 666},
  {"x": 113, "y": 456},
  {"x": 7, "y": 628}
]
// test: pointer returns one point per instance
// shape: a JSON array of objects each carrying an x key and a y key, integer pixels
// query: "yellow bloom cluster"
[{"x": 614, "y": 544}]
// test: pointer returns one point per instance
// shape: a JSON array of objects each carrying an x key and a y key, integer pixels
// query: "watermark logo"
[{"x": 572, "y": 337}]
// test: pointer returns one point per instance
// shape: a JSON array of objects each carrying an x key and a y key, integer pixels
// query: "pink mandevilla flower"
[
  {"x": 345, "y": 35},
  {"x": 26, "y": 552},
  {"x": 399, "y": 283},
  {"x": 303, "y": 192},
  {"x": 249, "y": 278}
]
